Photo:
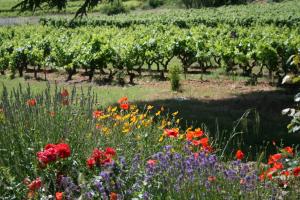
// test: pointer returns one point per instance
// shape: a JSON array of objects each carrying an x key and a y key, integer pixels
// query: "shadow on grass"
[{"x": 263, "y": 125}]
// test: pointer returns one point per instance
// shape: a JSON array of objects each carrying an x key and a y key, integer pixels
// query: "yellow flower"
[
  {"x": 105, "y": 130},
  {"x": 189, "y": 129},
  {"x": 118, "y": 117},
  {"x": 161, "y": 139},
  {"x": 126, "y": 117},
  {"x": 175, "y": 113},
  {"x": 132, "y": 107},
  {"x": 133, "y": 119},
  {"x": 177, "y": 121},
  {"x": 158, "y": 113},
  {"x": 149, "y": 107},
  {"x": 126, "y": 130},
  {"x": 114, "y": 109},
  {"x": 104, "y": 116}
]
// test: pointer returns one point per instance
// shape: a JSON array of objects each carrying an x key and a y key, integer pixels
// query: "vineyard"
[{"x": 129, "y": 51}]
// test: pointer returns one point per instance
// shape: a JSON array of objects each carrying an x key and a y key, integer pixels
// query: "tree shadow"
[{"x": 264, "y": 124}]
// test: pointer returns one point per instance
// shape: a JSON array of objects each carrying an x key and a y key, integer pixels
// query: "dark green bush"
[
  {"x": 174, "y": 76},
  {"x": 114, "y": 8},
  {"x": 155, "y": 3}
]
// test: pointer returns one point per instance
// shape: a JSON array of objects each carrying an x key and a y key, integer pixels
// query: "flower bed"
[{"x": 61, "y": 145}]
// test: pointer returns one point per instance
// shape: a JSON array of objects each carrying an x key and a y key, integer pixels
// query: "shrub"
[
  {"x": 114, "y": 8},
  {"x": 174, "y": 76},
  {"x": 155, "y": 3}
]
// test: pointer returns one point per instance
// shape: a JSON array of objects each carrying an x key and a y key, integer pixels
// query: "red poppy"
[
  {"x": 262, "y": 177},
  {"x": 285, "y": 173},
  {"x": 53, "y": 151},
  {"x": 35, "y": 185},
  {"x": 204, "y": 142},
  {"x": 64, "y": 93},
  {"x": 110, "y": 151},
  {"x": 198, "y": 133},
  {"x": 151, "y": 162},
  {"x": 63, "y": 150},
  {"x": 289, "y": 150},
  {"x": 122, "y": 100},
  {"x": 90, "y": 163},
  {"x": 59, "y": 195},
  {"x": 124, "y": 106},
  {"x": 189, "y": 135},
  {"x": 296, "y": 171},
  {"x": 97, "y": 114},
  {"x": 239, "y": 155},
  {"x": 47, "y": 156},
  {"x": 274, "y": 158},
  {"x": 278, "y": 165},
  {"x": 196, "y": 142},
  {"x": 113, "y": 196},
  {"x": 173, "y": 133},
  {"x": 31, "y": 102}
]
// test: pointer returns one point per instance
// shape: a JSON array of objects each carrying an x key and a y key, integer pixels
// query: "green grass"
[{"x": 107, "y": 94}]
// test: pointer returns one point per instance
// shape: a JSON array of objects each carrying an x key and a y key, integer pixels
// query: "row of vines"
[
  {"x": 131, "y": 51},
  {"x": 285, "y": 14}
]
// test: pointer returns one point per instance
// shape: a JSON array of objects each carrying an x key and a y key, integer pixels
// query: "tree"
[{"x": 33, "y": 5}]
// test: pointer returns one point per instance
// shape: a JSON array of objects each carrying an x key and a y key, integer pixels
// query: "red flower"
[
  {"x": 101, "y": 158},
  {"x": 122, "y": 100},
  {"x": 262, "y": 177},
  {"x": 52, "y": 152},
  {"x": 124, "y": 106},
  {"x": 211, "y": 178},
  {"x": 285, "y": 172},
  {"x": 198, "y": 132},
  {"x": 110, "y": 151},
  {"x": 296, "y": 171},
  {"x": 151, "y": 162},
  {"x": 64, "y": 93},
  {"x": 196, "y": 142},
  {"x": 59, "y": 195},
  {"x": 274, "y": 158},
  {"x": 204, "y": 142},
  {"x": 31, "y": 102},
  {"x": 47, "y": 156},
  {"x": 90, "y": 163},
  {"x": 190, "y": 135},
  {"x": 113, "y": 196},
  {"x": 278, "y": 165},
  {"x": 239, "y": 155},
  {"x": 97, "y": 114},
  {"x": 97, "y": 154},
  {"x": 35, "y": 185},
  {"x": 63, "y": 150},
  {"x": 173, "y": 133},
  {"x": 289, "y": 150}
]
